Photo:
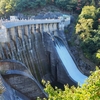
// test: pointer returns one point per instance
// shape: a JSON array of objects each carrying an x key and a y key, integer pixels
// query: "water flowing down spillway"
[{"x": 68, "y": 62}]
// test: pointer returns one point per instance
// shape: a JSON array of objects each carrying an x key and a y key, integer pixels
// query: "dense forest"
[
  {"x": 8, "y": 7},
  {"x": 88, "y": 30}
]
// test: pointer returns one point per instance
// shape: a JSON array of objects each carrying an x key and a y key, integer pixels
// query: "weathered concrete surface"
[
  {"x": 24, "y": 84},
  {"x": 10, "y": 93},
  {"x": 36, "y": 50},
  {"x": 57, "y": 69}
]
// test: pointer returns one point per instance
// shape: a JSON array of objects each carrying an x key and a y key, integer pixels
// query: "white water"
[{"x": 69, "y": 64}]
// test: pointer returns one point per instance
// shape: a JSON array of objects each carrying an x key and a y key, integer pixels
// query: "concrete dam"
[{"x": 32, "y": 50}]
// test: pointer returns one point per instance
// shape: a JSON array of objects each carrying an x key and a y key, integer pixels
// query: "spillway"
[{"x": 68, "y": 62}]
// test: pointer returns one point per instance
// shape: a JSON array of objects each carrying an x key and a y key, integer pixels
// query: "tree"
[
  {"x": 7, "y": 6},
  {"x": 98, "y": 57},
  {"x": 40, "y": 3},
  {"x": 90, "y": 90},
  {"x": 88, "y": 12},
  {"x": 83, "y": 28},
  {"x": 2, "y": 7},
  {"x": 88, "y": 30},
  {"x": 93, "y": 2},
  {"x": 66, "y": 5}
]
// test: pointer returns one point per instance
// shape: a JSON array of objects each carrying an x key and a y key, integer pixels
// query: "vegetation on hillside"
[
  {"x": 90, "y": 90},
  {"x": 8, "y": 7},
  {"x": 88, "y": 30}
]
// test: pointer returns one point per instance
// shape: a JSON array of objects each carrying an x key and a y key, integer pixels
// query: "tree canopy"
[
  {"x": 10, "y": 6},
  {"x": 88, "y": 30},
  {"x": 90, "y": 90}
]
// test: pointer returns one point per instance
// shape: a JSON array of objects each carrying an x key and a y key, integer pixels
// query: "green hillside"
[{"x": 8, "y": 7}]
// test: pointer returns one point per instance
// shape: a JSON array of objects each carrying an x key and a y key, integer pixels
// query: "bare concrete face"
[
  {"x": 26, "y": 44},
  {"x": 33, "y": 46},
  {"x": 19, "y": 77}
]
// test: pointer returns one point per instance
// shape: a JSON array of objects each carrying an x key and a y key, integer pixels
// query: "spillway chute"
[{"x": 69, "y": 64}]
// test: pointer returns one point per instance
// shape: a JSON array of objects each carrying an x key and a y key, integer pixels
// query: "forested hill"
[
  {"x": 88, "y": 30},
  {"x": 8, "y": 7}
]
